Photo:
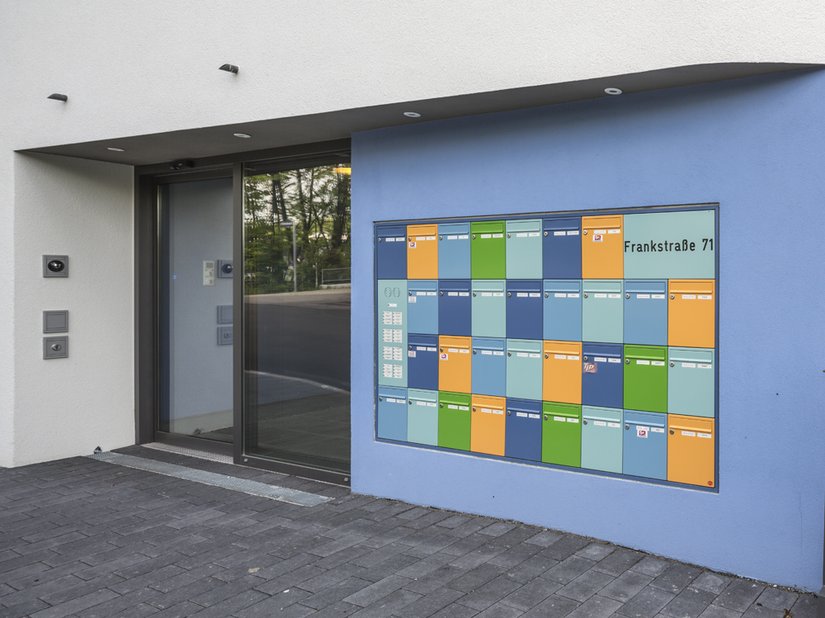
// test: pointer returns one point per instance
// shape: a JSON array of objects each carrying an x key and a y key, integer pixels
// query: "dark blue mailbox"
[
  {"x": 422, "y": 361},
  {"x": 489, "y": 366},
  {"x": 392, "y": 413},
  {"x": 602, "y": 375},
  {"x": 644, "y": 451},
  {"x": 562, "y": 250},
  {"x": 422, "y": 306},
  {"x": 454, "y": 307},
  {"x": 522, "y": 436},
  {"x": 391, "y": 252},
  {"x": 563, "y": 309},
  {"x": 524, "y": 309},
  {"x": 645, "y": 311},
  {"x": 454, "y": 251}
]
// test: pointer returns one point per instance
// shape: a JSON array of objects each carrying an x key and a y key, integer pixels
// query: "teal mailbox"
[
  {"x": 392, "y": 413},
  {"x": 602, "y": 310},
  {"x": 602, "y": 439},
  {"x": 422, "y": 416},
  {"x": 524, "y": 249},
  {"x": 422, "y": 306},
  {"x": 392, "y": 332},
  {"x": 524, "y": 369},
  {"x": 489, "y": 308},
  {"x": 691, "y": 381}
]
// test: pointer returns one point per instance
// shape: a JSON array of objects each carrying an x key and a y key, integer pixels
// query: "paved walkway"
[{"x": 89, "y": 538}]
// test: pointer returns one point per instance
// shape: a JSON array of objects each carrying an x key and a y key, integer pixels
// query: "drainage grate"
[
  {"x": 255, "y": 488},
  {"x": 189, "y": 452}
]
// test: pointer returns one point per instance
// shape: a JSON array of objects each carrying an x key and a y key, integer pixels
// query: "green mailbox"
[
  {"x": 561, "y": 434},
  {"x": 454, "y": 420},
  {"x": 645, "y": 378},
  {"x": 488, "y": 250}
]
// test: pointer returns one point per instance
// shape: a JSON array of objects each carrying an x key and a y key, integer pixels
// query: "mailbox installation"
[{"x": 585, "y": 340}]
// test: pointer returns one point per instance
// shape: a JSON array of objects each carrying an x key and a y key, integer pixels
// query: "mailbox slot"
[
  {"x": 422, "y": 306},
  {"x": 562, "y": 372},
  {"x": 454, "y": 421},
  {"x": 644, "y": 451},
  {"x": 489, "y": 308},
  {"x": 645, "y": 378},
  {"x": 691, "y": 313},
  {"x": 523, "y": 434},
  {"x": 392, "y": 413},
  {"x": 422, "y": 416},
  {"x": 487, "y": 425},
  {"x": 563, "y": 310},
  {"x": 690, "y": 447},
  {"x": 454, "y": 307},
  {"x": 602, "y": 247},
  {"x": 524, "y": 249},
  {"x": 422, "y": 251},
  {"x": 691, "y": 381},
  {"x": 524, "y": 369},
  {"x": 488, "y": 250},
  {"x": 391, "y": 252},
  {"x": 454, "y": 364},
  {"x": 645, "y": 312},
  {"x": 561, "y": 432},
  {"x": 489, "y": 366},
  {"x": 562, "y": 248},
  {"x": 454, "y": 251},
  {"x": 524, "y": 309},
  {"x": 602, "y": 439},
  {"x": 602, "y": 310}
]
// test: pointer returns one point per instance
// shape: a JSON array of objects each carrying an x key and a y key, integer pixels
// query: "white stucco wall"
[
  {"x": 145, "y": 66},
  {"x": 69, "y": 406}
]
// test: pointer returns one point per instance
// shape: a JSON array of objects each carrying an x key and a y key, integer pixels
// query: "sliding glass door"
[{"x": 296, "y": 291}]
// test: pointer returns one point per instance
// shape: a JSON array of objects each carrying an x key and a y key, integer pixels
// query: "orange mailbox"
[
  {"x": 562, "y": 372},
  {"x": 422, "y": 252},
  {"x": 454, "y": 367},
  {"x": 487, "y": 425},
  {"x": 603, "y": 247},
  {"x": 691, "y": 320},
  {"x": 690, "y": 450}
]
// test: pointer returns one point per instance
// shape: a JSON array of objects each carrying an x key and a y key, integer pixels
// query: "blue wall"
[{"x": 756, "y": 146}]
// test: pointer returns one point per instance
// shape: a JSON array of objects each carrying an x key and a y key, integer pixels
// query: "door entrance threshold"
[
  {"x": 189, "y": 452},
  {"x": 246, "y": 486}
]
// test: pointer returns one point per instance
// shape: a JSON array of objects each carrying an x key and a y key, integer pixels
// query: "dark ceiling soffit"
[{"x": 211, "y": 143}]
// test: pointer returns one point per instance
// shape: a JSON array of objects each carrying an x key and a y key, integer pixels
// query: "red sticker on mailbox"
[
  {"x": 412, "y": 244},
  {"x": 598, "y": 237},
  {"x": 590, "y": 368},
  {"x": 443, "y": 356},
  {"x": 641, "y": 432}
]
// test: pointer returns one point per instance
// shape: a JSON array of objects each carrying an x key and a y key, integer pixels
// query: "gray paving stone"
[
  {"x": 283, "y": 604},
  {"x": 475, "y": 578},
  {"x": 760, "y": 611},
  {"x": 552, "y": 607},
  {"x": 676, "y": 577},
  {"x": 389, "y": 604},
  {"x": 531, "y": 594},
  {"x": 595, "y": 607},
  {"x": 566, "y": 546},
  {"x": 596, "y": 551},
  {"x": 500, "y": 610},
  {"x": 777, "y": 598},
  {"x": 372, "y": 593},
  {"x": 806, "y": 607},
  {"x": 431, "y": 603},
  {"x": 490, "y": 593},
  {"x": 76, "y": 605},
  {"x": 569, "y": 569},
  {"x": 689, "y": 603},
  {"x": 646, "y": 603},
  {"x": 712, "y": 582},
  {"x": 545, "y": 538},
  {"x": 714, "y": 611},
  {"x": 651, "y": 565},
  {"x": 585, "y": 585},
  {"x": 619, "y": 561},
  {"x": 626, "y": 586},
  {"x": 455, "y": 610},
  {"x": 739, "y": 594}
]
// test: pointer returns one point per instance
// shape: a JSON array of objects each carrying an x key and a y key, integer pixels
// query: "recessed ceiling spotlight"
[
  {"x": 242, "y": 135},
  {"x": 613, "y": 91},
  {"x": 229, "y": 68},
  {"x": 56, "y": 96},
  {"x": 115, "y": 149},
  {"x": 412, "y": 114}
]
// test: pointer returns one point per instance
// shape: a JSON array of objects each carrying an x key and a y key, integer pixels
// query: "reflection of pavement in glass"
[
  {"x": 270, "y": 388},
  {"x": 299, "y": 419}
]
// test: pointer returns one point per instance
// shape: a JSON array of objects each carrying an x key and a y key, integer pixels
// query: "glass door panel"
[
  {"x": 196, "y": 309},
  {"x": 296, "y": 281}
]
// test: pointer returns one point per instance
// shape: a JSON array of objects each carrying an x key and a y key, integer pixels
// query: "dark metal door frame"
[{"x": 148, "y": 344}]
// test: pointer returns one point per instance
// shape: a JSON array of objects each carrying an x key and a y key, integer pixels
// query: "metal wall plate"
[
  {"x": 55, "y": 347},
  {"x": 224, "y": 314},
  {"x": 56, "y": 266},
  {"x": 225, "y": 335},
  {"x": 56, "y": 321}
]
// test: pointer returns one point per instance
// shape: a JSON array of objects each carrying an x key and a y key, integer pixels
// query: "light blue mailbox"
[
  {"x": 524, "y": 249},
  {"x": 691, "y": 381},
  {"x": 454, "y": 251},
  {"x": 392, "y": 413},
  {"x": 644, "y": 451},
  {"x": 422, "y": 306},
  {"x": 489, "y": 366},
  {"x": 645, "y": 311},
  {"x": 422, "y": 416},
  {"x": 524, "y": 369},
  {"x": 563, "y": 309},
  {"x": 602, "y": 439},
  {"x": 602, "y": 310},
  {"x": 489, "y": 308}
]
